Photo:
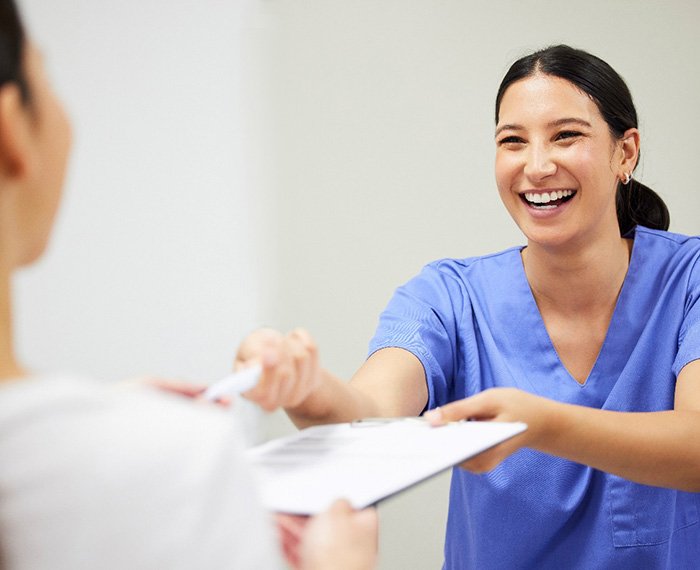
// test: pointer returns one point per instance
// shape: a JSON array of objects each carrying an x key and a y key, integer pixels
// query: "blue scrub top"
[{"x": 474, "y": 325}]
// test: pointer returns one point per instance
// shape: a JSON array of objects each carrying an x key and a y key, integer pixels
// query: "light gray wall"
[
  {"x": 381, "y": 143},
  {"x": 154, "y": 267}
]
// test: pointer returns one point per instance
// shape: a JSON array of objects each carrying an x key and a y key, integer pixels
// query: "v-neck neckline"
[{"x": 544, "y": 340}]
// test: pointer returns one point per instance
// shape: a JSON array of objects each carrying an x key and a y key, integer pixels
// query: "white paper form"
[{"x": 364, "y": 462}]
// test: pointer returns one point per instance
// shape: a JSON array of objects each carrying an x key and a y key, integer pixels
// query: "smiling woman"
[
  {"x": 586, "y": 85},
  {"x": 590, "y": 334}
]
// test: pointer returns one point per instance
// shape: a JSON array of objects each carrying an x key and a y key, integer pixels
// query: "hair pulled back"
[
  {"x": 637, "y": 204},
  {"x": 12, "y": 40}
]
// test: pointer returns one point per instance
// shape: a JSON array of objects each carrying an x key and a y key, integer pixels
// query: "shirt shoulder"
[
  {"x": 669, "y": 239},
  {"x": 668, "y": 254},
  {"x": 82, "y": 411},
  {"x": 477, "y": 265},
  {"x": 88, "y": 464}
]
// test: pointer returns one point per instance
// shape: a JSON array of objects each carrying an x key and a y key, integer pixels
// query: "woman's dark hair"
[
  {"x": 637, "y": 204},
  {"x": 12, "y": 47}
]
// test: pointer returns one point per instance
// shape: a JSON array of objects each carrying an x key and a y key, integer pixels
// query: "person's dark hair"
[
  {"x": 637, "y": 204},
  {"x": 12, "y": 40}
]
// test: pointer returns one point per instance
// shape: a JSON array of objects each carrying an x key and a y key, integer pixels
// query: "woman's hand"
[
  {"x": 290, "y": 367},
  {"x": 500, "y": 405}
]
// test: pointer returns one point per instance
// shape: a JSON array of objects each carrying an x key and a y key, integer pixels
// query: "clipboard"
[{"x": 365, "y": 461}]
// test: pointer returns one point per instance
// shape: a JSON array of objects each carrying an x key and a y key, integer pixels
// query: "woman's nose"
[{"x": 539, "y": 164}]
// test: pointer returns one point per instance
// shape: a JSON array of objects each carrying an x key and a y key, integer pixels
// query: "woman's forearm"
[
  {"x": 390, "y": 383},
  {"x": 653, "y": 448},
  {"x": 333, "y": 401}
]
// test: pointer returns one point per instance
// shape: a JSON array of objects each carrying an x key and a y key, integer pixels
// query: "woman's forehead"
[{"x": 542, "y": 96}]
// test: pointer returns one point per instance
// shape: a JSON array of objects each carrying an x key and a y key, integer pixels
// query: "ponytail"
[{"x": 639, "y": 205}]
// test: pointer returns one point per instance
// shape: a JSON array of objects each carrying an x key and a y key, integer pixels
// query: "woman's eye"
[
  {"x": 510, "y": 140},
  {"x": 568, "y": 135}
]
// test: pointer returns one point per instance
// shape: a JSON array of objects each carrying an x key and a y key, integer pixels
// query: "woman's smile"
[
  {"x": 546, "y": 206},
  {"x": 547, "y": 199}
]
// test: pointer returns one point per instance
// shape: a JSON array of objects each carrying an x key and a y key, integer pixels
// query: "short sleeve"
[
  {"x": 421, "y": 318},
  {"x": 689, "y": 333}
]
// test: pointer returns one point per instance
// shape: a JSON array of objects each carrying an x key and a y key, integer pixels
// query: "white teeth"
[{"x": 546, "y": 197}]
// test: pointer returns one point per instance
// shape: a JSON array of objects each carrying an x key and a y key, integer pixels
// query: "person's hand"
[
  {"x": 290, "y": 531},
  {"x": 502, "y": 405},
  {"x": 290, "y": 367},
  {"x": 340, "y": 538},
  {"x": 178, "y": 387}
]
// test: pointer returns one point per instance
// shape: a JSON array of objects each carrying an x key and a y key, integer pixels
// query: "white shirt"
[{"x": 94, "y": 477}]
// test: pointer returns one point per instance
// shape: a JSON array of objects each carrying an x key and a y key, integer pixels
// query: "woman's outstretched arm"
[
  {"x": 652, "y": 448},
  {"x": 390, "y": 383}
]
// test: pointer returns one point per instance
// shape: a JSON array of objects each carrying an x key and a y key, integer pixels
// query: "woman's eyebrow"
[
  {"x": 568, "y": 120},
  {"x": 508, "y": 128},
  {"x": 557, "y": 123}
]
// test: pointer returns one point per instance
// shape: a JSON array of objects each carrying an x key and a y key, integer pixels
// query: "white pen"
[{"x": 234, "y": 383}]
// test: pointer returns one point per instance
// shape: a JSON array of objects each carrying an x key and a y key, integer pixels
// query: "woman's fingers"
[
  {"x": 482, "y": 406},
  {"x": 290, "y": 368},
  {"x": 254, "y": 346},
  {"x": 306, "y": 364},
  {"x": 498, "y": 404},
  {"x": 296, "y": 370}
]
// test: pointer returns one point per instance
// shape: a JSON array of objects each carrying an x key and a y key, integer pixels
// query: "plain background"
[
  {"x": 153, "y": 267},
  {"x": 290, "y": 162}
]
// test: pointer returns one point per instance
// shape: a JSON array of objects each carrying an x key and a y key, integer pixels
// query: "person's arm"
[
  {"x": 652, "y": 448},
  {"x": 390, "y": 383}
]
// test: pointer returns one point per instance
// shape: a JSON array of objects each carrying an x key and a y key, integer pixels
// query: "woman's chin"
[{"x": 548, "y": 237}]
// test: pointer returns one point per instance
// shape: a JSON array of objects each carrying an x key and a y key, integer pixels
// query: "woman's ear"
[
  {"x": 629, "y": 143},
  {"x": 15, "y": 133}
]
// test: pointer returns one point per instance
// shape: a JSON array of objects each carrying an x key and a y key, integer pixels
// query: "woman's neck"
[
  {"x": 583, "y": 279},
  {"x": 9, "y": 367}
]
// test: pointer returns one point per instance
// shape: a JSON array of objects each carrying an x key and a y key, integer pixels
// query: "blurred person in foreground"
[{"x": 93, "y": 477}]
